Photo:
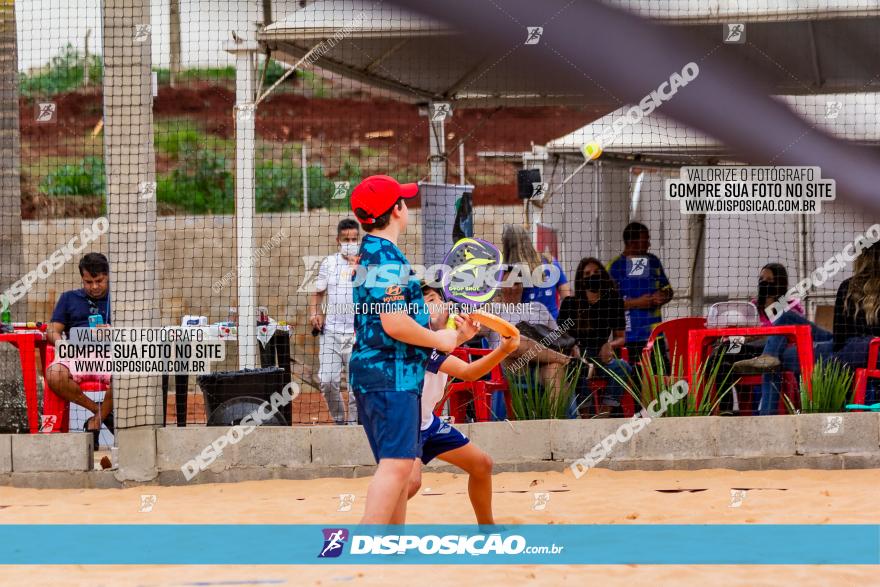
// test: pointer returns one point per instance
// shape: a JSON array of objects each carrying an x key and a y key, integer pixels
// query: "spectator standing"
[
  {"x": 335, "y": 322},
  {"x": 643, "y": 284}
]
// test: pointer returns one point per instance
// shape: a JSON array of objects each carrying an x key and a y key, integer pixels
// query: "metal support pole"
[
  {"x": 304, "y": 164},
  {"x": 461, "y": 163},
  {"x": 535, "y": 160},
  {"x": 437, "y": 146},
  {"x": 245, "y": 52}
]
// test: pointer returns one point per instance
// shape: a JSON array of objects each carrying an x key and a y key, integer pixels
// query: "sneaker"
[
  {"x": 762, "y": 364},
  {"x": 96, "y": 434}
]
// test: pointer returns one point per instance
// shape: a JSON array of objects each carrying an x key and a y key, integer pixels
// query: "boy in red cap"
[{"x": 392, "y": 344}]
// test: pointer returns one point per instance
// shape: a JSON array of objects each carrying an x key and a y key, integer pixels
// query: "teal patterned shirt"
[{"x": 385, "y": 283}]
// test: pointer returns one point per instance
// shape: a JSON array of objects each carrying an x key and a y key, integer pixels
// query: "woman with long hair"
[
  {"x": 772, "y": 285},
  {"x": 547, "y": 282},
  {"x": 857, "y": 309},
  {"x": 856, "y": 322},
  {"x": 598, "y": 322}
]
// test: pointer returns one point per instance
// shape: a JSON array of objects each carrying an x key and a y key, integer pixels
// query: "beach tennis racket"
[
  {"x": 493, "y": 322},
  {"x": 472, "y": 264},
  {"x": 872, "y": 408}
]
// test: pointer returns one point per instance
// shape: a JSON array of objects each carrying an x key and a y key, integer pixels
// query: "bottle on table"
[
  {"x": 6, "y": 320},
  {"x": 232, "y": 317}
]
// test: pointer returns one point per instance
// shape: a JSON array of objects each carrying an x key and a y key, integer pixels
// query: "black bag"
[{"x": 556, "y": 340}]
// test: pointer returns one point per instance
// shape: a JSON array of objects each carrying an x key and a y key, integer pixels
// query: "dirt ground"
[
  {"x": 336, "y": 128},
  {"x": 602, "y": 497}
]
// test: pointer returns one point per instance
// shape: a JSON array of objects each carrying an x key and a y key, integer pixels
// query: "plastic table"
[
  {"x": 27, "y": 341},
  {"x": 801, "y": 335}
]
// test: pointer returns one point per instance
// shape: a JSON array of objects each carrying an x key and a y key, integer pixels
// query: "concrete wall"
[
  {"x": 147, "y": 455},
  {"x": 195, "y": 253}
]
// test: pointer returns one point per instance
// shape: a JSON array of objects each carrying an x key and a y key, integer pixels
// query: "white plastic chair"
[{"x": 733, "y": 314}]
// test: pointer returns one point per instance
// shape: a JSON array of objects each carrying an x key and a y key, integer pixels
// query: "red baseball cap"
[{"x": 376, "y": 194}]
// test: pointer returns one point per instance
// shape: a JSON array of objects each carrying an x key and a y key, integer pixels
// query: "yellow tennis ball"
[
  {"x": 592, "y": 151},
  {"x": 451, "y": 323}
]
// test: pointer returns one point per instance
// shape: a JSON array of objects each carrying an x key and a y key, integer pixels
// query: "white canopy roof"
[
  {"x": 854, "y": 117},
  {"x": 811, "y": 46},
  {"x": 743, "y": 11}
]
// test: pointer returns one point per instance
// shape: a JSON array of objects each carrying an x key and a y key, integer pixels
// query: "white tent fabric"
[
  {"x": 854, "y": 117},
  {"x": 725, "y": 11},
  {"x": 591, "y": 216},
  {"x": 422, "y": 59}
]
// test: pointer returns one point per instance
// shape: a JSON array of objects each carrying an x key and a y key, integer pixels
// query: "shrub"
[
  {"x": 708, "y": 385},
  {"x": 201, "y": 184},
  {"x": 173, "y": 137},
  {"x": 85, "y": 178},
  {"x": 531, "y": 401},
  {"x": 64, "y": 73},
  {"x": 279, "y": 186},
  {"x": 831, "y": 385}
]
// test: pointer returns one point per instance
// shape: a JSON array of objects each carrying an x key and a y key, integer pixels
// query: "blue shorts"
[
  {"x": 440, "y": 437},
  {"x": 391, "y": 420}
]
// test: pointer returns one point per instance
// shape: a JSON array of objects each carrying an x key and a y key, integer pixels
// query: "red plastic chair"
[
  {"x": 460, "y": 394},
  {"x": 870, "y": 372},
  {"x": 675, "y": 332},
  {"x": 597, "y": 386},
  {"x": 789, "y": 390},
  {"x": 56, "y": 410}
]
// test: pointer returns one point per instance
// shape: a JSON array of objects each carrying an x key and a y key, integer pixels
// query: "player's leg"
[
  {"x": 399, "y": 515},
  {"x": 329, "y": 374},
  {"x": 391, "y": 421},
  {"x": 478, "y": 465},
  {"x": 415, "y": 479},
  {"x": 389, "y": 484}
]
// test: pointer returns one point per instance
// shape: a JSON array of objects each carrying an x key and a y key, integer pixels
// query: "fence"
[{"x": 222, "y": 154}]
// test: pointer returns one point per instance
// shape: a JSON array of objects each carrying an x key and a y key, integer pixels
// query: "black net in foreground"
[{"x": 684, "y": 201}]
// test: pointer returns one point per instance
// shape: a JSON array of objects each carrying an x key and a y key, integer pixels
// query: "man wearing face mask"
[{"x": 335, "y": 323}]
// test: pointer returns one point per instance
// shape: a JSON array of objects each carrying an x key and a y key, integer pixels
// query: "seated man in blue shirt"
[
  {"x": 643, "y": 284},
  {"x": 72, "y": 311}
]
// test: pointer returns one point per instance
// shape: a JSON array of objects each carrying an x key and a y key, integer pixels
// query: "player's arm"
[
  {"x": 400, "y": 326},
  {"x": 472, "y": 371}
]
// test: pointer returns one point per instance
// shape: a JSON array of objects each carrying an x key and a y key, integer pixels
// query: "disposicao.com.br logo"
[{"x": 334, "y": 540}]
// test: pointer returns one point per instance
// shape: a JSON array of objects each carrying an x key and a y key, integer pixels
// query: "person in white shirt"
[
  {"x": 438, "y": 438},
  {"x": 336, "y": 322}
]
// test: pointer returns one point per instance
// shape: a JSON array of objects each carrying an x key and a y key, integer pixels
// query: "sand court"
[{"x": 600, "y": 497}]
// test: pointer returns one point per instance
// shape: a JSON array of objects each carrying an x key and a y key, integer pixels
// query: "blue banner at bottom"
[{"x": 720, "y": 544}]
